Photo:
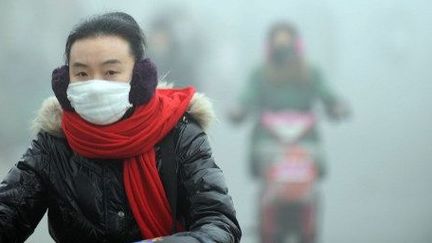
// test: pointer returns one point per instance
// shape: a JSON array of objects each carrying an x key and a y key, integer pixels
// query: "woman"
[{"x": 117, "y": 159}]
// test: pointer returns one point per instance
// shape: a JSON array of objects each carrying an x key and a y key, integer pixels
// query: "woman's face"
[
  {"x": 102, "y": 57},
  {"x": 282, "y": 38}
]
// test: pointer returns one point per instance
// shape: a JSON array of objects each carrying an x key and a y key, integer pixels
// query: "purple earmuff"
[
  {"x": 144, "y": 82},
  {"x": 60, "y": 83}
]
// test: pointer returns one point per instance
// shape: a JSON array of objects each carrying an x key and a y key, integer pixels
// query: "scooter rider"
[{"x": 285, "y": 81}]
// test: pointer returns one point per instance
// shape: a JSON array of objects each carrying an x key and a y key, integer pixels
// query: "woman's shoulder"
[
  {"x": 314, "y": 71},
  {"x": 46, "y": 127},
  {"x": 199, "y": 115},
  {"x": 194, "y": 123},
  {"x": 48, "y": 119}
]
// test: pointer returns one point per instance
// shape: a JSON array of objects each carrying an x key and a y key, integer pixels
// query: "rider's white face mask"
[{"x": 100, "y": 102}]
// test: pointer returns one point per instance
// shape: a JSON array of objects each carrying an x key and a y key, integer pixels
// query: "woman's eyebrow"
[
  {"x": 78, "y": 65},
  {"x": 111, "y": 61}
]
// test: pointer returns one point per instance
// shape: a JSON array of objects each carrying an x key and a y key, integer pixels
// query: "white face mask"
[{"x": 100, "y": 102}]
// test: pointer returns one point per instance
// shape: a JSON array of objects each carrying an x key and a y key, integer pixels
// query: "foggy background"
[{"x": 374, "y": 53}]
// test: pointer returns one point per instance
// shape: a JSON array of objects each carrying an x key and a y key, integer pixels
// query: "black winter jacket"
[{"x": 86, "y": 200}]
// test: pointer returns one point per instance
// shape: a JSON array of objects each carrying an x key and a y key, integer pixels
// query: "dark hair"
[{"x": 113, "y": 23}]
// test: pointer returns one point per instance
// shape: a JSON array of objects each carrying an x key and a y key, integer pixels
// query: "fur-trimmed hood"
[{"x": 49, "y": 116}]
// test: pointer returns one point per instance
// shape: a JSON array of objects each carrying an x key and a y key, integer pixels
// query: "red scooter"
[{"x": 289, "y": 197}]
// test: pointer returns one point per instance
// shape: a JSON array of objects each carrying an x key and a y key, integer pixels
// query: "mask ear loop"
[{"x": 59, "y": 84}]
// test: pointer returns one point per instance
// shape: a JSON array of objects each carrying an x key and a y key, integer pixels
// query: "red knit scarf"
[{"x": 133, "y": 140}]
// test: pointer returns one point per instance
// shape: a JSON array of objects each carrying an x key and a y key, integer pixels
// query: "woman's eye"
[
  {"x": 110, "y": 73},
  {"x": 81, "y": 74}
]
